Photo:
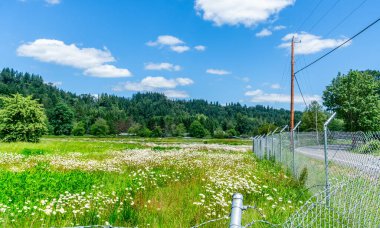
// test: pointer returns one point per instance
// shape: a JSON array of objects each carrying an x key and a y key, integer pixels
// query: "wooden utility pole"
[{"x": 292, "y": 89}]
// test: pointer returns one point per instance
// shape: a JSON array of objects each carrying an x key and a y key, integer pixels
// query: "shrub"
[
  {"x": 61, "y": 119},
  {"x": 197, "y": 130},
  {"x": 22, "y": 119},
  {"x": 79, "y": 129},
  {"x": 99, "y": 128}
]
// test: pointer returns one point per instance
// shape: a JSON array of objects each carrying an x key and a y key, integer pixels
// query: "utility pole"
[{"x": 292, "y": 89}]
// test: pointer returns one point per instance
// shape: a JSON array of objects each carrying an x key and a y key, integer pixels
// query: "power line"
[
  {"x": 299, "y": 88},
  {"x": 324, "y": 15},
  {"x": 346, "y": 17},
  {"x": 310, "y": 14},
  {"x": 353, "y": 37}
]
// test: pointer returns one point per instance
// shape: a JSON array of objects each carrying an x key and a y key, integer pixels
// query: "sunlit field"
[{"x": 139, "y": 182}]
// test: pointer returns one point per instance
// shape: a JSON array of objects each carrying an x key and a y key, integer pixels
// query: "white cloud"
[
  {"x": 248, "y": 87},
  {"x": 91, "y": 60},
  {"x": 217, "y": 72},
  {"x": 107, "y": 71},
  {"x": 259, "y": 96},
  {"x": 154, "y": 84},
  {"x": 245, "y": 12},
  {"x": 310, "y": 43},
  {"x": 176, "y": 94},
  {"x": 279, "y": 27},
  {"x": 53, "y": 2},
  {"x": 275, "y": 86},
  {"x": 172, "y": 42},
  {"x": 264, "y": 32},
  {"x": 162, "y": 66},
  {"x": 200, "y": 48},
  {"x": 180, "y": 48},
  {"x": 165, "y": 40}
]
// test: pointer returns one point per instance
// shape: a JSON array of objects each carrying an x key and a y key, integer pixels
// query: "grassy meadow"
[{"x": 136, "y": 182}]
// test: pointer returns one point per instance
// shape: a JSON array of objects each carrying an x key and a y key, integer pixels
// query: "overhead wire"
[
  {"x": 324, "y": 15},
  {"x": 346, "y": 17},
  {"x": 339, "y": 46},
  {"x": 309, "y": 15}
]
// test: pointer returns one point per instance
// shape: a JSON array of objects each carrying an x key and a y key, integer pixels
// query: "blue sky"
[{"x": 225, "y": 50}]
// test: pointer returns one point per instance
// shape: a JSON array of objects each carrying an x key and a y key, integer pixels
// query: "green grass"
[{"x": 66, "y": 181}]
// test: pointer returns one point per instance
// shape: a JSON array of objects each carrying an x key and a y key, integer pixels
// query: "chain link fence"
[{"x": 341, "y": 169}]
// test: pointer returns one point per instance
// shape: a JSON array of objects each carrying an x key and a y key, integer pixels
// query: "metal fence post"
[
  {"x": 283, "y": 129},
  {"x": 266, "y": 145},
  {"x": 274, "y": 154},
  {"x": 326, "y": 158},
  {"x": 292, "y": 147},
  {"x": 236, "y": 210}
]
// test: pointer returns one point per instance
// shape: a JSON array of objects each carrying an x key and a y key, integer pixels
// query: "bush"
[
  {"x": 371, "y": 147},
  {"x": 99, "y": 128},
  {"x": 197, "y": 130},
  {"x": 157, "y": 132},
  {"x": 22, "y": 119},
  {"x": 79, "y": 129},
  {"x": 144, "y": 132}
]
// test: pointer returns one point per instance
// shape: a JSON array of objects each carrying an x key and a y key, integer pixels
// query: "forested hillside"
[{"x": 145, "y": 113}]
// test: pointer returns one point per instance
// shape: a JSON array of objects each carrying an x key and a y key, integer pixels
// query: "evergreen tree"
[
  {"x": 61, "y": 119},
  {"x": 21, "y": 119}
]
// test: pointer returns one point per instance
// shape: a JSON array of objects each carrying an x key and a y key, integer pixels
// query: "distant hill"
[{"x": 150, "y": 110}]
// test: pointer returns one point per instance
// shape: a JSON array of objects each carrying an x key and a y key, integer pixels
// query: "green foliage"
[
  {"x": 219, "y": 133},
  {"x": 356, "y": 99},
  {"x": 79, "y": 129},
  {"x": 21, "y": 119},
  {"x": 157, "y": 132},
  {"x": 144, "y": 109},
  {"x": 31, "y": 152},
  {"x": 61, "y": 119},
  {"x": 337, "y": 125},
  {"x": 99, "y": 128},
  {"x": 180, "y": 130},
  {"x": 144, "y": 132},
  {"x": 197, "y": 130},
  {"x": 313, "y": 117},
  {"x": 231, "y": 132},
  {"x": 303, "y": 177},
  {"x": 371, "y": 147},
  {"x": 266, "y": 128}
]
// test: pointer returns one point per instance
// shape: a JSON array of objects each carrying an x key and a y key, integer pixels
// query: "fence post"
[
  {"x": 326, "y": 158},
  {"x": 274, "y": 154},
  {"x": 236, "y": 210},
  {"x": 266, "y": 145},
  {"x": 292, "y": 147},
  {"x": 283, "y": 129}
]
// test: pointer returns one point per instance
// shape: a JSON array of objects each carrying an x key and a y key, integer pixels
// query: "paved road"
[{"x": 368, "y": 164}]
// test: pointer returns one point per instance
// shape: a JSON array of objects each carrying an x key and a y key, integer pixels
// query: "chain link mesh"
[{"x": 350, "y": 195}]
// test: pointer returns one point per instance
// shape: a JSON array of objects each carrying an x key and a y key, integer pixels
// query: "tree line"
[
  {"x": 354, "y": 96},
  {"x": 144, "y": 114}
]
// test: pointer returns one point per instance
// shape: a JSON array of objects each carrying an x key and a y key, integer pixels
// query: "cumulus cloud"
[
  {"x": 235, "y": 12},
  {"x": 200, "y": 48},
  {"x": 165, "y": 40},
  {"x": 157, "y": 84},
  {"x": 174, "y": 43},
  {"x": 217, "y": 72},
  {"x": 93, "y": 61},
  {"x": 180, "y": 48},
  {"x": 162, "y": 66},
  {"x": 264, "y": 32},
  {"x": 310, "y": 44},
  {"x": 53, "y": 2},
  {"x": 259, "y": 96}
]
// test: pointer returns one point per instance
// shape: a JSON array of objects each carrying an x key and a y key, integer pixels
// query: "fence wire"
[{"x": 346, "y": 189}]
